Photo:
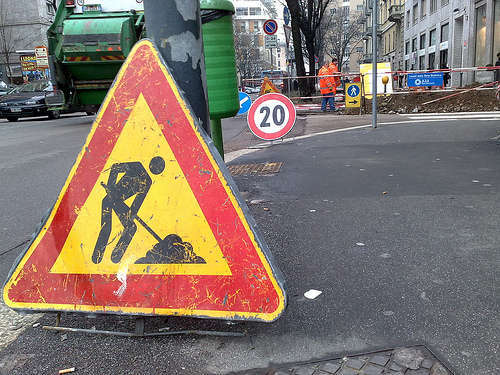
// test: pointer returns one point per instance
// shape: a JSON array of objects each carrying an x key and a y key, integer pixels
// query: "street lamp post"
[{"x": 374, "y": 63}]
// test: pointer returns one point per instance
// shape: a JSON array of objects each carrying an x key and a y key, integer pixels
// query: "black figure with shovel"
[{"x": 136, "y": 182}]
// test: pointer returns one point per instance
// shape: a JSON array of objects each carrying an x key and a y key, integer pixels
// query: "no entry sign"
[
  {"x": 270, "y": 27},
  {"x": 149, "y": 220},
  {"x": 271, "y": 116}
]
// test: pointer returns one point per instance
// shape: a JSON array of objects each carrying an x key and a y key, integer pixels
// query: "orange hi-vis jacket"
[
  {"x": 326, "y": 84},
  {"x": 334, "y": 69}
]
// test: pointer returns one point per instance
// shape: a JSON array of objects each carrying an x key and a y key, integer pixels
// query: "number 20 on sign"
[{"x": 271, "y": 116}]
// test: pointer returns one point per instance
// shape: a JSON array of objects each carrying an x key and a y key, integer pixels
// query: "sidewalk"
[{"x": 237, "y": 136}]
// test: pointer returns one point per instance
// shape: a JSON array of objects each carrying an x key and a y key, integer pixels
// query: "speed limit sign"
[{"x": 271, "y": 116}]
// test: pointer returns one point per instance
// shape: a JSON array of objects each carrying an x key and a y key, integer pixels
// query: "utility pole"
[
  {"x": 374, "y": 62},
  {"x": 175, "y": 28}
]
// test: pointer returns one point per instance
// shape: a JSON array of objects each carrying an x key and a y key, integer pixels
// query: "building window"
[
  {"x": 407, "y": 19},
  {"x": 243, "y": 27},
  {"x": 421, "y": 62},
  {"x": 433, "y": 5},
  {"x": 423, "y": 9},
  {"x": 407, "y": 47},
  {"x": 496, "y": 31},
  {"x": 481, "y": 55},
  {"x": 359, "y": 8},
  {"x": 242, "y": 11},
  {"x": 255, "y": 11},
  {"x": 389, "y": 43},
  {"x": 444, "y": 2},
  {"x": 333, "y": 11},
  {"x": 415, "y": 14},
  {"x": 422, "y": 41},
  {"x": 432, "y": 60},
  {"x": 256, "y": 26},
  {"x": 414, "y": 44},
  {"x": 445, "y": 31},
  {"x": 432, "y": 37}
]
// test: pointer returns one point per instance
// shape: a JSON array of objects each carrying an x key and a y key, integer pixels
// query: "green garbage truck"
[
  {"x": 90, "y": 39},
  {"x": 88, "y": 42}
]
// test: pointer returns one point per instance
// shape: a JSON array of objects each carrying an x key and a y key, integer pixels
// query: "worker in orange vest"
[
  {"x": 327, "y": 88},
  {"x": 336, "y": 79}
]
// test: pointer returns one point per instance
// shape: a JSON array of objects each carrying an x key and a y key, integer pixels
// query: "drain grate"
[
  {"x": 255, "y": 169},
  {"x": 410, "y": 360}
]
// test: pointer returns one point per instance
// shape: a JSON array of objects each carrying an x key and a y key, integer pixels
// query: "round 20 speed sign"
[{"x": 271, "y": 116}]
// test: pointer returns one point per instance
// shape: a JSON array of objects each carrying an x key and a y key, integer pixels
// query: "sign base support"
[{"x": 139, "y": 330}]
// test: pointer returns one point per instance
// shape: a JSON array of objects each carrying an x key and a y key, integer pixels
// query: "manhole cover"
[
  {"x": 255, "y": 169},
  {"x": 415, "y": 360}
]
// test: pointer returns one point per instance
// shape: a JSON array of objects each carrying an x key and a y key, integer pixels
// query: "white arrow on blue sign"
[{"x": 245, "y": 103}]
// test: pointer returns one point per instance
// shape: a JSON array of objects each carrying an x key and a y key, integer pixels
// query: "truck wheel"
[
  {"x": 54, "y": 115},
  {"x": 89, "y": 113},
  {"x": 12, "y": 118}
]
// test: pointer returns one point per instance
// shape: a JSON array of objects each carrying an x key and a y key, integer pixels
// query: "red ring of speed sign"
[
  {"x": 274, "y": 26},
  {"x": 271, "y": 116}
]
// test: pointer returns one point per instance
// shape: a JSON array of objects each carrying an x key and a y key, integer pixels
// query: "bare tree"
[
  {"x": 249, "y": 60},
  {"x": 7, "y": 40},
  {"x": 307, "y": 16},
  {"x": 342, "y": 32}
]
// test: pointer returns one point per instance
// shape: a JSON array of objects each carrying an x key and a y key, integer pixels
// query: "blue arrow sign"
[
  {"x": 245, "y": 103},
  {"x": 286, "y": 15}
]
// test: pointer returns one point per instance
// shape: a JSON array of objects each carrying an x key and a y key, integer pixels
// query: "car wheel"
[
  {"x": 90, "y": 113},
  {"x": 12, "y": 118},
  {"x": 53, "y": 115}
]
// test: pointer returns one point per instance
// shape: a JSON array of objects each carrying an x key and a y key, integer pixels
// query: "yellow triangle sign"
[{"x": 148, "y": 221}]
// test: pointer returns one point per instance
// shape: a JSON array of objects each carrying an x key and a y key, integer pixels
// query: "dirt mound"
[{"x": 472, "y": 101}]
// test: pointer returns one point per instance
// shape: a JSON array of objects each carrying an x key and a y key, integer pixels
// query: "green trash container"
[{"x": 220, "y": 64}]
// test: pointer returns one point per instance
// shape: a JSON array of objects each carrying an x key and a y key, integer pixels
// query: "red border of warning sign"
[
  {"x": 288, "y": 126},
  {"x": 252, "y": 291},
  {"x": 267, "y": 22}
]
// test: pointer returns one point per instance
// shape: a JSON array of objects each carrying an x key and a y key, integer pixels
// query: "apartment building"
[
  {"x": 249, "y": 18},
  {"x": 391, "y": 18},
  {"x": 483, "y": 42},
  {"x": 435, "y": 32},
  {"x": 24, "y": 24}
]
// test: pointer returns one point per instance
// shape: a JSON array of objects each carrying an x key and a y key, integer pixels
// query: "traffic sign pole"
[{"x": 166, "y": 22}]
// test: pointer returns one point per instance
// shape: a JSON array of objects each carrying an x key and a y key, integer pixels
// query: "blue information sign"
[
  {"x": 425, "y": 79},
  {"x": 245, "y": 103}
]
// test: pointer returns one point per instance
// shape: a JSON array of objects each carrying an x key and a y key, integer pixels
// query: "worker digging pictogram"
[{"x": 136, "y": 182}]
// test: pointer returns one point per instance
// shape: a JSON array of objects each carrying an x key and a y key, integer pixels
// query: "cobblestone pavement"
[
  {"x": 12, "y": 324},
  {"x": 417, "y": 360}
]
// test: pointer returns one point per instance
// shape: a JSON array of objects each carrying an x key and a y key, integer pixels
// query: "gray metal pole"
[
  {"x": 175, "y": 28},
  {"x": 374, "y": 63}
]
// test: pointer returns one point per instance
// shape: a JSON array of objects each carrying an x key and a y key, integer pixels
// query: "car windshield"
[{"x": 34, "y": 86}]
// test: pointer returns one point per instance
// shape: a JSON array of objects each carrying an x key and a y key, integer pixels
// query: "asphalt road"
[{"x": 426, "y": 272}]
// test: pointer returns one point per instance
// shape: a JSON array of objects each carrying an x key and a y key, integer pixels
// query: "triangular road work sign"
[
  {"x": 149, "y": 220},
  {"x": 267, "y": 87}
]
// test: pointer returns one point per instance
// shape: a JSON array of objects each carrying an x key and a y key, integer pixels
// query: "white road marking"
[
  {"x": 236, "y": 154},
  {"x": 457, "y": 113}
]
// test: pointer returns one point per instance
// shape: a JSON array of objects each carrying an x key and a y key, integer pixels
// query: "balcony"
[
  {"x": 396, "y": 13},
  {"x": 368, "y": 33},
  {"x": 368, "y": 10}
]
